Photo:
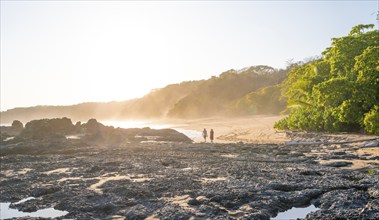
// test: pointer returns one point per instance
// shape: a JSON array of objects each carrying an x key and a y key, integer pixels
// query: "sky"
[{"x": 69, "y": 52}]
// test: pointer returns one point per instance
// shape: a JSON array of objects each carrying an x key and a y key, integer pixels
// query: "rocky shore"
[{"x": 172, "y": 179}]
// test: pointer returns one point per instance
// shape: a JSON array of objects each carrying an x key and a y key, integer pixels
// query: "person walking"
[
  {"x": 205, "y": 135},
  {"x": 211, "y": 135}
]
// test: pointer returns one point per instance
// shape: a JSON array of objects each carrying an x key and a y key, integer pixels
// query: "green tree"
[{"x": 340, "y": 91}]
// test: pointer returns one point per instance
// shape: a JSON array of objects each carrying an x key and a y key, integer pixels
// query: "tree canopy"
[{"x": 339, "y": 91}]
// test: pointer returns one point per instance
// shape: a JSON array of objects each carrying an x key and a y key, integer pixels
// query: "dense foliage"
[
  {"x": 264, "y": 101},
  {"x": 224, "y": 95},
  {"x": 340, "y": 91}
]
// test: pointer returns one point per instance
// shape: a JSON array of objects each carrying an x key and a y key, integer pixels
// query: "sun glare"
[{"x": 136, "y": 124}]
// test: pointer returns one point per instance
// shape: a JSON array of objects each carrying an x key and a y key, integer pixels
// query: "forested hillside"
[
  {"x": 219, "y": 95},
  {"x": 268, "y": 100},
  {"x": 340, "y": 91}
]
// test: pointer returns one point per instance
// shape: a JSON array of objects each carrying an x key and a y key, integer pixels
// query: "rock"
[
  {"x": 11, "y": 131},
  {"x": 97, "y": 132},
  {"x": 338, "y": 164},
  {"x": 373, "y": 192},
  {"x": 92, "y": 126},
  {"x": 338, "y": 153},
  {"x": 44, "y": 191},
  {"x": 339, "y": 157},
  {"x": 284, "y": 187},
  {"x": 78, "y": 126},
  {"x": 373, "y": 205},
  {"x": 194, "y": 202},
  {"x": 17, "y": 126},
  {"x": 310, "y": 173},
  {"x": 343, "y": 199},
  {"x": 44, "y": 128},
  {"x": 371, "y": 144},
  {"x": 137, "y": 212},
  {"x": 106, "y": 208},
  {"x": 94, "y": 169}
]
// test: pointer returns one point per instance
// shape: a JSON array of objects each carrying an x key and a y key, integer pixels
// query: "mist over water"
[
  {"x": 193, "y": 134},
  {"x": 135, "y": 124}
]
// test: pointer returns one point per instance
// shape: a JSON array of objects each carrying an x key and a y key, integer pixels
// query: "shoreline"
[{"x": 91, "y": 178}]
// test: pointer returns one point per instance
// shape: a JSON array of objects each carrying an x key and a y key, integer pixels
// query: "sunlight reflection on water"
[
  {"x": 135, "y": 124},
  {"x": 295, "y": 213},
  {"x": 7, "y": 212},
  {"x": 142, "y": 124}
]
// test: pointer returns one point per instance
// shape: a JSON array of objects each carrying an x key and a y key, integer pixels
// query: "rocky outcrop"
[
  {"x": 143, "y": 173},
  {"x": 10, "y": 131},
  {"x": 45, "y": 128},
  {"x": 180, "y": 180},
  {"x": 97, "y": 132},
  {"x": 48, "y": 136}
]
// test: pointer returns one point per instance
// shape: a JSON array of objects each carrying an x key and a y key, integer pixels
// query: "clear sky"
[{"x": 68, "y": 52}]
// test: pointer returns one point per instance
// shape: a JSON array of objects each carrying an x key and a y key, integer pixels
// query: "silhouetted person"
[
  {"x": 205, "y": 135},
  {"x": 211, "y": 135}
]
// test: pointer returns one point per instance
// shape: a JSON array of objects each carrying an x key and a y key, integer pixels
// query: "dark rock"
[
  {"x": 285, "y": 187},
  {"x": 10, "y": 131},
  {"x": 44, "y": 191},
  {"x": 339, "y": 157},
  {"x": 194, "y": 202},
  {"x": 338, "y": 164},
  {"x": 310, "y": 173},
  {"x": 106, "y": 208},
  {"x": 338, "y": 153},
  {"x": 94, "y": 169},
  {"x": 17, "y": 126},
  {"x": 296, "y": 154},
  {"x": 137, "y": 212},
  {"x": 44, "y": 128},
  {"x": 92, "y": 126},
  {"x": 343, "y": 199}
]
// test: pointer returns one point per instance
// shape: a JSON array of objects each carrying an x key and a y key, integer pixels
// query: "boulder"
[
  {"x": 17, "y": 126},
  {"x": 43, "y": 128}
]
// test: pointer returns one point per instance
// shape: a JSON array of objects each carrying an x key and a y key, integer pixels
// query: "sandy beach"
[
  {"x": 257, "y": 129},
  {"x": 249, "y": 129}
]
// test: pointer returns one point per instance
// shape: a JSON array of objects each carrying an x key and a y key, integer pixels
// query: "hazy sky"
[{"x": 67, "y": 52}]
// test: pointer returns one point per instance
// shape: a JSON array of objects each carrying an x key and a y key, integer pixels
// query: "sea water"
[
  {"x": 295, "y": 213},
  {"x": 135, "y": 124},
  {"x": 192, "y": 134},
  {"x": 7, "y": 212}
]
